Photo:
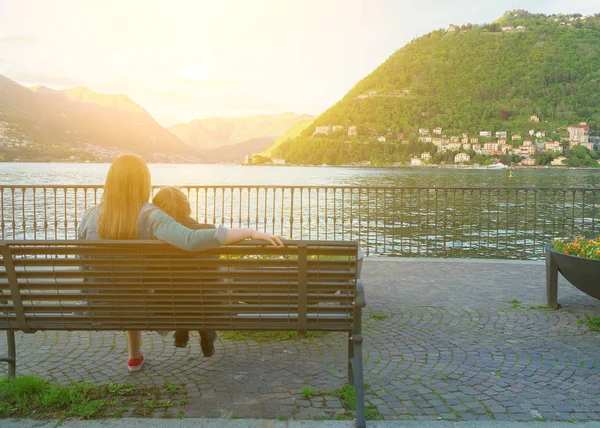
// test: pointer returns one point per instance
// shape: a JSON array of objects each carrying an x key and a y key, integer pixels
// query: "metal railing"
[{"x": 491, "y": 222}]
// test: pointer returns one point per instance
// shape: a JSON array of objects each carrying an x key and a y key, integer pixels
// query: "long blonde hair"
[
  {"x": 174, "y": 202},
  {"x": 126, "y": 189}
]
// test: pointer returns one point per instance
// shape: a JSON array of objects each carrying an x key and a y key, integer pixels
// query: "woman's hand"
[{"x": 274, "y": 240}]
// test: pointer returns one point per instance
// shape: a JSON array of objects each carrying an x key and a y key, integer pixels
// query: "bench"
[{"x": 148, "y": 285}]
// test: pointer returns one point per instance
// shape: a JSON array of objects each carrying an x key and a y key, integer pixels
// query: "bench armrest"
[
  {"x": 359, "y": 259},
  {"x": 361, "y": 302}
]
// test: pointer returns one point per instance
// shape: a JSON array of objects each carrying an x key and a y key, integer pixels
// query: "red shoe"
[{"x": 135, "y": 364}]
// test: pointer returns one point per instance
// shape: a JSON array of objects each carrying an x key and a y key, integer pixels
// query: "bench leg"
[
  {"x": 359, "y": 384},
  {"x": 350, "y": 359},
  {"x": 551, "y": 281},
  {"x": 11, "y": 359}
]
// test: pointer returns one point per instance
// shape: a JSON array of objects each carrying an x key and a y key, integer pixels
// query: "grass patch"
[
  {"x": 171, "y": 389},
  {"x": 270, "y": 336},
  {"x": 515, "y": 304},
  {"x": 33, "y": 397},
  {"x": 498, "y": 374},
  {"x": 594, "y": 324},
  {"x": 154, "y": 404},
  {"x": 347, "y": 395},
  {"x": 379, "y": 316},
  {"x": 579, "y": 322},
  {"x": 307, "y": 392}
]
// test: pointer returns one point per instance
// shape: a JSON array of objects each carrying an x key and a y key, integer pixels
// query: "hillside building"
[
  {"x": 462, "y": 157},
  {"x": 322, "y": 130},
  {"x": 553, "y": 146},
  {"x": 559, "y": 161},
  {"x": 579, "y": 133},
  {"x": 352, "y": 131}
]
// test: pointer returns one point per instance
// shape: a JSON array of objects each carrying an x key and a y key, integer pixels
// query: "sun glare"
[{"x": 197, "y": 72}]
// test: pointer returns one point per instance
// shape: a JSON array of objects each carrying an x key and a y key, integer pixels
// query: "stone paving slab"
[
  {"x": 445, "y": 340},
  {"x": 254, "y": 423}
]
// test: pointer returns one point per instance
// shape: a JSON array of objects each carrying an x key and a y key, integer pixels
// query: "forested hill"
[{"x": 467, "y": 79}]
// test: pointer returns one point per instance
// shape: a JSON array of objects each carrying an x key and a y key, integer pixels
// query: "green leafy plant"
[
  {"x": 307, "y": 392},
  {"x": 594, "y": 324}
]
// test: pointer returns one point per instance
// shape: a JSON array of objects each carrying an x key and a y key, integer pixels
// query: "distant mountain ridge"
[
  {"x": 230, "y": 139},
  {"x": 40, "y": 123},
  {"x": 78, "y": 118}
]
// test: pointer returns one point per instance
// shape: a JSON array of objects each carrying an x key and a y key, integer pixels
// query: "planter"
[{"x": 581, "y": 272}]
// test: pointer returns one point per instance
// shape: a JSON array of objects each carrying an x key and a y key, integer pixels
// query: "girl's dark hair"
[{"x": 174, "y": 202}]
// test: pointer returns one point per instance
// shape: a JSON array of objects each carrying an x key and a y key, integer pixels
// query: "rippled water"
[{"x": 501, "y": 218}]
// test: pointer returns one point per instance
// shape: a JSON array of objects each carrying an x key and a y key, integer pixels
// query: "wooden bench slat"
[{"x": 159, "y": 262}]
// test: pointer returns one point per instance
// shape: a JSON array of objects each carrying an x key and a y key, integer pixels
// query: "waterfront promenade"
[{"x": 450, "y": 339}]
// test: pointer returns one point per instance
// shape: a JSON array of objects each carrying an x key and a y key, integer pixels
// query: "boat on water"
[{"x": 498, "y": 165}]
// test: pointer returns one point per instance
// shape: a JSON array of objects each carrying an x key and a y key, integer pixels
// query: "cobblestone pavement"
[{"x": 444, "y": 339}]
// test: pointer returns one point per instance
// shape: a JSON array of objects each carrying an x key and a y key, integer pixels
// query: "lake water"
[
  {"x": 499, "y": 217},
  {"x": 224, "y": 175}
]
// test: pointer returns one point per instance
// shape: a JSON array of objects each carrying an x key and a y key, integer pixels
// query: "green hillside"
[
  {"x": 290, "y": 134},
  {"x": 466, "y": 80}
]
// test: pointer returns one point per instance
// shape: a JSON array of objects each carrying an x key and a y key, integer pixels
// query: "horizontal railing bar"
[{"x": 297, "y": 187}]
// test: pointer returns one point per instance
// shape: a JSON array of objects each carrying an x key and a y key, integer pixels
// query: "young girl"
[
  {"x": 174, "y": 202},
  {"x": 125, "y": 213}
]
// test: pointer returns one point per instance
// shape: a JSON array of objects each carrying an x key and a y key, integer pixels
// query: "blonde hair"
[
  {"x": 126, "y": 189},
  {"x": 174, "y": 202}
]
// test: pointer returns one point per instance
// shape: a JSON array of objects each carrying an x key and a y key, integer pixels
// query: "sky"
[{"x": 183, "y": 60}]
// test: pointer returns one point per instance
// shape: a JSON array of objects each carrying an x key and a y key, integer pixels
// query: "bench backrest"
[{"x": 148, "y": 285}]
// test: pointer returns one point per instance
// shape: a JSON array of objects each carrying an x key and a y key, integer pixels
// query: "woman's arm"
[
  {"x": 168, "y": 230},
  {"x": 235, "y": 235}
]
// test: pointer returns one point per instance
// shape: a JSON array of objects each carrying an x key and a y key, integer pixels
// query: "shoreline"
[{"x": 422, "y": 167}]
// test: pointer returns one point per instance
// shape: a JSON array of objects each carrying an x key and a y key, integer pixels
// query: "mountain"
[
  {"x": 467, "y": 79},
  {"x": 117, "y": 101},
  {"x": 230, "y": 139},
  {"x": 290, "y": 134},
  {"x": 44, "y": 124}
]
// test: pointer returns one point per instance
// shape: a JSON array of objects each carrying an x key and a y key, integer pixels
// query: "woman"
[{"x": 125, "y": 213}]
